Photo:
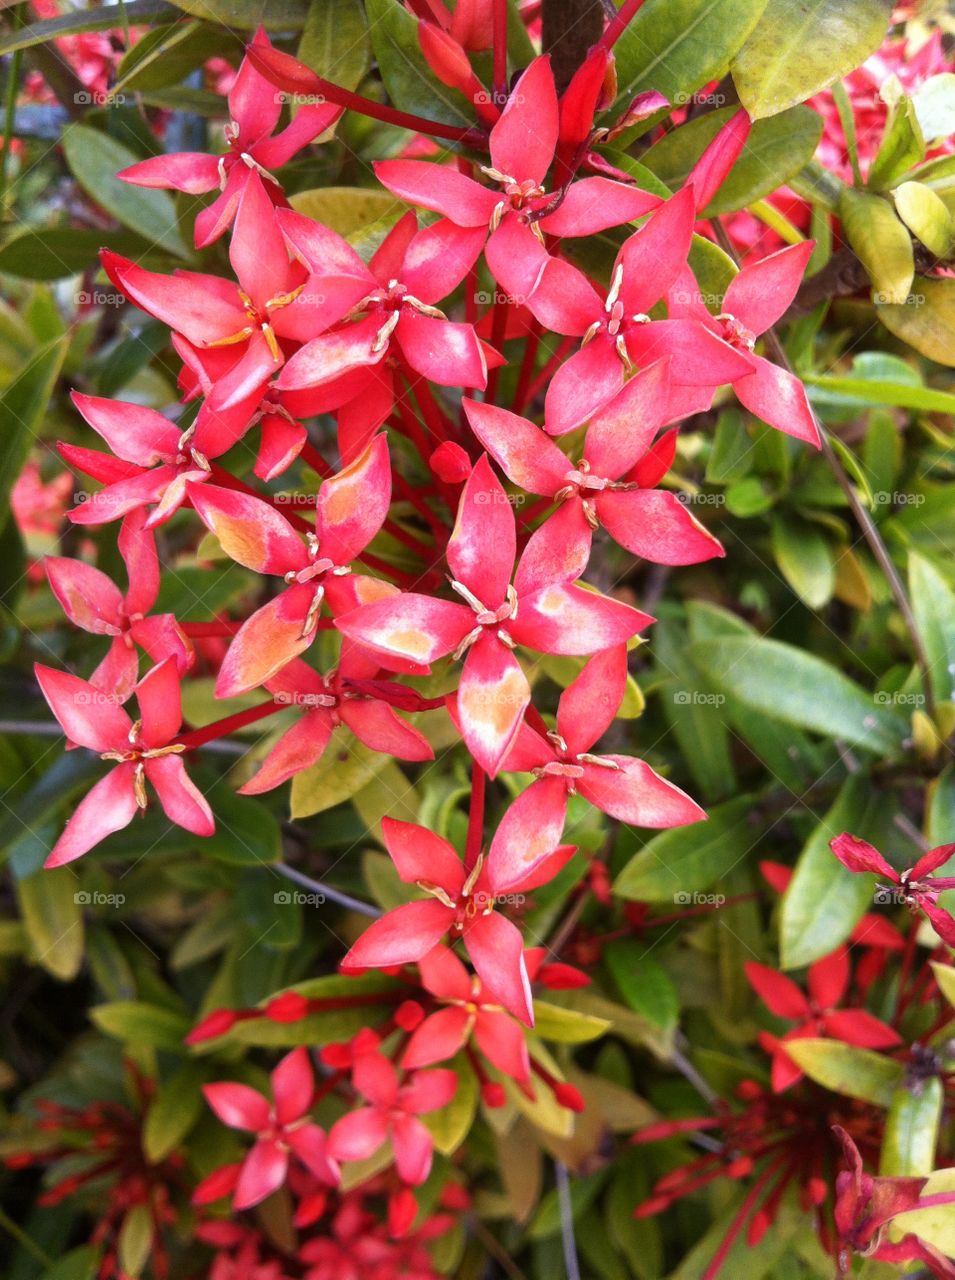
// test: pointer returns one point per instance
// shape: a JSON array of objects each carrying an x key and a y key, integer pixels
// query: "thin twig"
[
  {"x": 319, "y": 886},
  {"x": 571, "y": 1265}
]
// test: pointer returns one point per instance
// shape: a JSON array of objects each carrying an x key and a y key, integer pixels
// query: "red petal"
[
  {"x": 828, "y": 979},
  {"x": 444, "y": 975},
  {"x": 438, "y": 1038},
  {"x": 137, "y": 546},
  {"x": 634, "y": 793},
  {"x": 253, "y": 103},
  {"x": 182, "y": 801},
  {"x": 357, "y": 1135},
  {"x": 191, "y": 171},
  {"x": 438, "y": 187},
  {"x": 779, "y": 398},
  {"x": 594, "y": 204},
  {"x": 523, "y": 452},
  {"x": 428, "y": 1091},
  {"x": 133, "y": 432},
  {"x": 621, "y": 432},
  {"x": 379, "y": 727},
  {"x": 413, "y": 1147},
  {"x": 204, "y": 308},
  {"x": 655, "y": 524},
  {"x": 263, "y": 1171},
  {"x": 497, "y": 952},
  {"x": 292, "y": 1086},
  {"x": 932, "y": 861},
  {"x": 483, "y": 543},
  {"x": 780, "y": 994},
  {"x": 266, "y": 642},
  {"x": 88, "y": 717},
  {"x": 529, "y": 832},
  {"x": 160, "y": 702},
  {"x": 310, "y": 1145},
  {"x": 698, "y": 358},
  {"x": 524, "y": 139},
  {"x": 110, "y": 806},
  {"x": 402, "y": 936},
  {"x": 859, "y": 855},
  {"x": 502, "y": 1042},
  {"x": 590, "y": 702},
  {"x": 855, "y": 1026},
  {"x": 329, "y": 356},
  {"x": 409, "y": 626},
  {"x": 237, "y": 1105},
  {"x": 653, "y": 256},
  {"x": 257, "y": 249},
  {"x": 352, "y": 505},
  {"x": 420, "y": 855},
  {"x": 762, "y": 291},
  {"x": 568, "y": 620},
  {"x": 249, "y": 530},
  {"x": 375, "y": 1078},
  {"x": 438, "y": 259},
  {"x": 87, "y": 596},
  {"x": 492, "y": 696},
  {"x": 710, "y": 171},
  {"x": 296, "y": 750}
]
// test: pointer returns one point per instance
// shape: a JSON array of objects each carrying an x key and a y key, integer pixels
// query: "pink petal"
[
  {"x": 88, "y": 717},
  {"x": 266, "y": 641},
  {"x": 763, "y": 290},
  {"x": 202, "y": 307},
  {"x": 520, "y": 449},
  {"x": 438, "y": 259},
  {"x": 257, "y": 249},
  {"x": 308, "y": 122},
  {"x": 558, "y": 550},
  {"x": 378, "y": 726},
  {"x": 86, "y": 595},
  {"x": 653, "y": 256},
  {"x": 446, "y": 353},
  {"x": 931, "y": 861},
  {"x": 110, "y": 806},
  {"x": 137, "y": 546},
  {"x": 420, "y": 855},
  {"x": 497, "y": 952},
  {"x": 655, "y": 524},
  {"x": 582, "y": 384},
  {"x": 375, "y": 1078},
  {"x": 779, "y": 398},
  {"x": 330, "y": 355},
  {"x": 249, "y": 530},
  {"x": 594, "y": 204},
  {"x": 357, "y": 1135},
  {"x": 297, "y": 749},
  {"x": 253, "y": 103},
  {"x": 311, "y": 1146},
  {"x": 529, "y": 831},
  {"x": 293, "y": 1084},
  {"x": 182, "y": 801},
  {"x": 160, "y": 704},
  {"x": 439, "y": 187},
  {"x": 525, "y": 137},
  {"x": 710, "y": 171},
  {"x": 568, "y": 620},
  {"x": 413, "y": 1146},
  {"x": 438, "y": 1038},
  {"x": 502, "y": 1042},
  {"x": 483, "y": 544},
  {"x": 401, "y": 936},
  {"x": 859, "y": 855},
  {"x": 492, "y": 696},
  {"x": 622, "y": 430},
  {"x": 444, "y": 975},
  {"x": 282, "y": 442},
  {"x": 320, "y": 248},
  {"x": 409, "y": 626},
  {"x": 428, "y": 1091},
  {"x": 237, "y": 1105},
  {"x": 353, "y": 504},
  {"x": 697, "y": 356},
  {"x": 634, "y": 793},
  {"x": 940, "y": 919},
  {"x": 133, "y": 432},
  {"x": 263, "y": 1171},
  {"x": 590, "y": 702},
  {"x": 191, "y": 171},
  {"x": 118, "y": 672}
]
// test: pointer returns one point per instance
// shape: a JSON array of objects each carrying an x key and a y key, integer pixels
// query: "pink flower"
[{"x": 919, "y": 888}]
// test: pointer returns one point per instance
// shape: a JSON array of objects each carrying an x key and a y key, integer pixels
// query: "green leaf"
[
  {"x": 280, "y": 15},
  {"x": 567, "y": 1026},
  {"x": 945, "y": 977},
  {"x": 676, "y": 865},
  {"x": 173, "y": 1111},
  {"x": 53, "y": 920},
  {"x": 167, "y": 54},
  {"x": 348, "y": 210},
  {"x": 410, "y": 82},
  {"x": 866, "y": 391},
  {"x": 676, "y": 46},
  {"x": 246, "y": 832},
  {"x": 934, "y": 101},
  {"x": 844, "y": 1068},
  {"x": 135, "y": 1239},
  {"x": 824, "y": 900},
  {"x": 926, "y": 216},
  {"x": 346, "y": 767},
  {"x": 22, "y": 408},
  {"x": 935, "y": 1225},
  {"x": 774, "y": 151},
  {"x": 902, "y": 145},
  {"x": 798, "y": 688},
  {"x": 359, "y": 1007},
  {"x": 94, "y": 159},
  {"x": 53, "y": 253},
  {"x": 926, "y": 319},
  {"x": 795, "y": 52},
  {"x": 79, "y": 21},
  {"x": 137, "y": 1022},
  {"x": 78, "y": 1264},
  {"x": 881, "y": 242},
  {"x": 643, "y": 982},
  {"x": 450, "y": 1125},
  {"x": 911, "y": 1131},
  {"x": 933, "y": 603},
  {"x": 804, "y": 558},
  {"x": 335, "y": 41}
]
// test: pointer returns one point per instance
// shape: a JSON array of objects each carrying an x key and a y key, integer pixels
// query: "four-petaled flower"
[{"x": 917, "y": 886}]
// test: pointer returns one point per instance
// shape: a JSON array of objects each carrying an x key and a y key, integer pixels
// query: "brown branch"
[{"x": 570, "y": 29}]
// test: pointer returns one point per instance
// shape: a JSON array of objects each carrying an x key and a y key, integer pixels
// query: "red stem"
[
  {"x": 500, "y": 51},
  {"x": 618, "y": 24},
  {"x": 551, "y": 367},
  {"x": 475, "y": 818},
  {"x": 315, "y": 460},
  {"x": 527, "y": 367},
  {"x": 220, "y": 728},
  {"x": 209, "y": 630}
]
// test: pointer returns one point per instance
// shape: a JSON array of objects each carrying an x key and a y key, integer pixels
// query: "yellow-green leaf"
[{"x": 881, "y": 242}]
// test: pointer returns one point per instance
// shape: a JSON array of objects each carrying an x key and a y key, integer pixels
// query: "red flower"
[
  {"x": 469, "y": 1012},
  {"x": 93, "y": 602},
  {"x": 817, "y": 1014},
  {"x": 599, "y": 490},
  {"x": 756, "y": 298},
  {"x": 624, "y": 788},
  {"x": 393, "y": 1113},
  {"x": 144, "y": 751},
  {"x": 283, "y": 1131},
  {"x": 919, "y": 888},
  {"x": 524, "y": 853},
  {"x": 350, "y": 509},
  {"x": 541, "y": 610},
  {"x": 254, "y": 109}
]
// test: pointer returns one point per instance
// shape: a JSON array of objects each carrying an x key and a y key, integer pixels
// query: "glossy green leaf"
[
  {"x": 926, "y": 216},
  {"x": 935, "y": 1225},
  {"x": 795, "y": 52},
  {"x": 364, "y": 1001},
  {"x": 926, "y": 320},
  {"x": 933, "y": 603},
  {"x": 824, "y": 900},
  {"x": 567, "y": 1026},
  {"x": 451, "y": 1124},
  {"x": 911, "y": 1130},
  {"x": 167, "y": 54},
  {"x": 79, "y": 21},
  {"x": 277, "y": 15},
  {"x": 94, "y": 159},
  {"x": 798, "y": 688},
  {"x": 676, "y": 46},
  {"x": 335, "y": 42},
  {"x": 22, "y": 407},
  {"x": 139, "y": 1023},
  {"x": 78, "y": 1264},
  {"x": 173, "y": 1111},
  {"x": 344, "y": 769},
  {"x": 881, "y": 242},
  {"x": 676, "y": 866},
  {"x": 53, "y": 253},
  {"x": 805, "y": 558},
  {"x": 934, "y": 101},
  {"x": 844, "y": 1068},
  {"x": 410, "y": 82},
  {"x": 643, "y": 982},
  {"x": 135, "y": 1239},
  {"x": 774, "y": 151},
  {"x": 902, "y": 145}
]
